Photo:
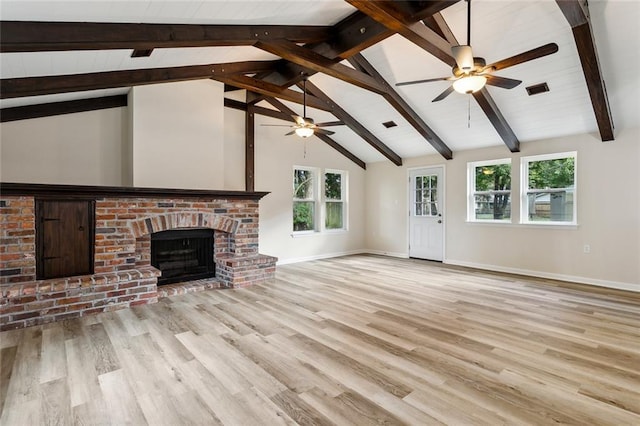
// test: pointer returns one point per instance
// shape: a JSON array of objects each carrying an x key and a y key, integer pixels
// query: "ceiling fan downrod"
[{"x": 468, "y": 22}]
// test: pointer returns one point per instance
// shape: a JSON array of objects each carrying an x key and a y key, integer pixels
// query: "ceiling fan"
[
  {"x": 305, "y": 126},
  {"x": 470, "y": 73}
]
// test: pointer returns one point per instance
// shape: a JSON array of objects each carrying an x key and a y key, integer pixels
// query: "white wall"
[
  {"x": 234, "y": 142},
  {"x": 177, "y": 133},
  {"x": 608, "y": 214},
  {"x": 81, "y": 149}
]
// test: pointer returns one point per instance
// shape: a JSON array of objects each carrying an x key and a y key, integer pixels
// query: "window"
[
  {"x": 425, "y": 202},
  {"x": 304, "y": 200},
  {"x": 489, "y": 190},
  {"x": 549, "y": 189},
  {"x": 314, "y": 188},
  {"x": 334, "y": 183}
]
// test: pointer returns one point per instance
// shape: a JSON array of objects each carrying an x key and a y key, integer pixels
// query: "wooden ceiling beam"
[
  {"x": 324, "y": 138},
  {"x": 354, "y": 125},
  {"x": 400, "y": 105},
  {"x": 242, "y": 106},
  {"x": 488, "y": 105},
  {"x": 309, "y": 59},
  {"x": 35, "y": 86},
  {"x": 437, "y": 23},
  {"x": 61, "y": 108},
  {"x": 32, "y": 36},
  {"x": 389, "y": 14},
  {"x": 577, "y": 14},
  {"x": 272, "y": 90},
  {"x": 349, "y": 36}
]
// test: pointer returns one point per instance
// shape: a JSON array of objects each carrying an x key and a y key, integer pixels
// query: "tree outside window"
[
  {"x": 304, "y": 211},
  {"x": 490, "y": 190}
]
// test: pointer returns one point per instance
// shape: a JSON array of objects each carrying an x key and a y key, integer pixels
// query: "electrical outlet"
[{"x": 587, "y": 248}]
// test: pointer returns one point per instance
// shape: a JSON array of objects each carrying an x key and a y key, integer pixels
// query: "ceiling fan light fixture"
[
  {"x": 304, "y": 132},
  {"x": 469, "y": 84}
]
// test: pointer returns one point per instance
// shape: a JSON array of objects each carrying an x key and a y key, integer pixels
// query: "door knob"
[{"x": 439, "y": 221}]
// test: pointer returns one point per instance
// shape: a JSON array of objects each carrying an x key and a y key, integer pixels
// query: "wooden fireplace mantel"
[{"x": 89, "y": 191}]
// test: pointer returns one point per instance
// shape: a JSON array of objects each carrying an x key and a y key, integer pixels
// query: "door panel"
[
  {"x": 426, "y": 214},
  {"x": 65, "y": 238}
]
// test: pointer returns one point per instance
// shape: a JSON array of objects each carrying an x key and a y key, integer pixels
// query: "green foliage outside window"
[
  {"x": 333, "y": 209},
  {"x": 558, "y": 173},
  {"x": 303, "y": 214},
  {"x": 495, "y": 177},
  {"x": 303, "y": 211},
  {"x": 333, "y": 186}
]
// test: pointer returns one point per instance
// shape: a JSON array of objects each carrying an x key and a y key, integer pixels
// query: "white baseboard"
[
  {"x": 319, "y": 256},
  {"x": 549, "y": 275},
  {"x": 386, "y": 253}
]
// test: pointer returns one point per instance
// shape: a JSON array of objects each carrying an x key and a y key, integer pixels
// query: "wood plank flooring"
[{"x": 354, "y": 340}]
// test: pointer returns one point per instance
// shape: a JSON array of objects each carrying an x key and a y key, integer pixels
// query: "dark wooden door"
[{"x": 65, "y": 237}]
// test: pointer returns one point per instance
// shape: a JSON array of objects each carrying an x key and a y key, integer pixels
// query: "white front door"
[{"x": 426, "y": 215}]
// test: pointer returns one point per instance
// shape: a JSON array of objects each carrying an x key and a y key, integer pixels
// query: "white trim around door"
[{"x": 426, "y": 209}]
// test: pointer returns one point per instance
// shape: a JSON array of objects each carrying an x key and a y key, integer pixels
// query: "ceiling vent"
[
  {"x": 389, "y": 124},
  {"x": 537, "y": 88},
  {"x": 141, "y": 53}
]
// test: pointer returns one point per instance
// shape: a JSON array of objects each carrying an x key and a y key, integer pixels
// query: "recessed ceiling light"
[{"x": 389, "y": 124}]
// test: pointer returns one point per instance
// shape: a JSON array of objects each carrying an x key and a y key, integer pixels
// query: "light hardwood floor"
[{"x": 353, "y": 340}]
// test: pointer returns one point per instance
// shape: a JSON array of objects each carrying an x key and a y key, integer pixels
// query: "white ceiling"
[{"x": 500, "y": 29}]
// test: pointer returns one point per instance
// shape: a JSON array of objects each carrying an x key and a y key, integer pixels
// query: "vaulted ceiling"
[{"x": 64, "y": 56}]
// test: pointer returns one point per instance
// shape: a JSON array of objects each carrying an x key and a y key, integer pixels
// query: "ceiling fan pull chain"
[{"x": 469, "y": 112}]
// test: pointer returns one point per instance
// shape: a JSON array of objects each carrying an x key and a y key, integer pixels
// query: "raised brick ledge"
[
  {"x": 177, "y": 289},
  {"x": 29, "y": 288},
  {"x": 236, "y": 261}
]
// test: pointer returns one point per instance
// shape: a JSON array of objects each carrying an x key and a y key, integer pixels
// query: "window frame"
[
  {"x": 314, "y": 199},
  {"x": 319, "y": 200},
  {"x": 524, "y": 188},
  {"x": 343, "y": 199},
  {"x": 471, "y": 190}
]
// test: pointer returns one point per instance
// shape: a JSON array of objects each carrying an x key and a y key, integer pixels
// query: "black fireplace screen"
[{"x": 183, "y": 255}]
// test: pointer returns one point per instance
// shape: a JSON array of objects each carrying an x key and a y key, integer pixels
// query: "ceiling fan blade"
[
  {"x": 464, "y": 57},
  {"x": 323, "y": 132},
  {"x": 299, "y": 120},
  {"x": 503, "y": 82},
  {"x": 290, "y": 133},
  {"x": 428, "y": 80},
  {"x": 330, "y": 123},
  {"x": 444, "y": 94},
  {"x": 529, "y": 55}
]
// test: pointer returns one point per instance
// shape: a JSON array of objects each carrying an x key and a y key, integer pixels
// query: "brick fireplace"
[{"x": 125, "y": 219}]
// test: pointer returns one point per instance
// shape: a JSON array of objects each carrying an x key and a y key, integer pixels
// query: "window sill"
[
  {"x": 491, "y": 222},
  {"x": 301, "y": 234},
  {"x": 532, "y": 225},
  {"x": 550, "y": 225}
]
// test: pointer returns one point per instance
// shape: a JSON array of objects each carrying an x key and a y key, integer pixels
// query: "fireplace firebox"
[{"x": 183, "y": 254}]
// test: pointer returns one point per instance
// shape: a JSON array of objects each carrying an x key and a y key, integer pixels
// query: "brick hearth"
[{"x": 123, "y": 275}]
